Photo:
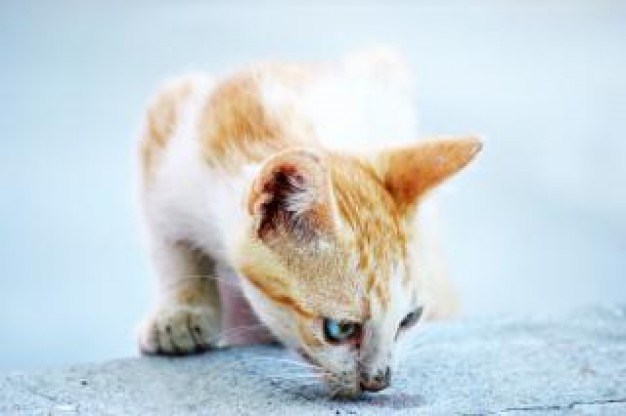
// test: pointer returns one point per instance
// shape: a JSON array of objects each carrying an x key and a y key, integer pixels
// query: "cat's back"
[
  {"x": 203, "y": 138},
  {"x": 363, "y": 101}
]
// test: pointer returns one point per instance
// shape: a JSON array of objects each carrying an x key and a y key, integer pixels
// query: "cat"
[{"x": 302, "y": 187}]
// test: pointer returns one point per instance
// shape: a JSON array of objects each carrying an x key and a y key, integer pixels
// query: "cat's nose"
[{"x": 377, "y": 381}]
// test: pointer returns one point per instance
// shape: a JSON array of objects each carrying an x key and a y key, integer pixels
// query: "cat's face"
[{"x": 328, "y": 262}]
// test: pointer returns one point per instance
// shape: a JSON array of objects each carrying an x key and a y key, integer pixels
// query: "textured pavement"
[{"x": 574, "y": 364}]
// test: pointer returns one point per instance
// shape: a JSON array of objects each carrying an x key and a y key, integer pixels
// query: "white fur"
[{"x": 362, "y": 105}]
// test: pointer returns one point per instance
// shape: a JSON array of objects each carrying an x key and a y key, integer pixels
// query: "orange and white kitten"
[{"x": 302, "y": 187}]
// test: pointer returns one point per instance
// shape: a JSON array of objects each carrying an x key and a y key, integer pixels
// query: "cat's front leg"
[{"x": 187, "y": 317}]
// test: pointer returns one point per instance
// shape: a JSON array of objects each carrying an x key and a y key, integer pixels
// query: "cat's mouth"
[
  {"x": 352, "y": 390},
  {"x": 347, "y": 385}
]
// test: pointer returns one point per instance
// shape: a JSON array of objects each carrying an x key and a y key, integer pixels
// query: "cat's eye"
[
  {"x": 412, "y": 318},
  {"x": 340, "y": 331}
]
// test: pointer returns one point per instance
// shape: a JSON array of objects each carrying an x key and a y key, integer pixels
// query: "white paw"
[{"x": 179, "y": 329}]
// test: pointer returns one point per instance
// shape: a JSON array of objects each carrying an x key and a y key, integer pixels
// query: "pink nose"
[{"x": 376, "y": 382}]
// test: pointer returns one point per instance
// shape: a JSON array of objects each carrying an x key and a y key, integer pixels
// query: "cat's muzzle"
[{"x": 378, "y": 381}]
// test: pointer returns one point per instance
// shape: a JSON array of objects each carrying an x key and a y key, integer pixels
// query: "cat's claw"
[{"x": 178, "y": 330}]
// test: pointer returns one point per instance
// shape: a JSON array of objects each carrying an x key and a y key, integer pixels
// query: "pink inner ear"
[
  {"x": 237, "y": 313},
  {"x": 284, "y": 183},
  {"x": 290, "y": 197}
]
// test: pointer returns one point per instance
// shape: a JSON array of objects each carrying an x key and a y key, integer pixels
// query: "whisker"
[
  {"x": 294, "y": 370},
  {"x": 312, "y": 380},
  {"x": 299, "y": 373},
  {"x": 286, "y": 361},
  {"x": 191, "y": 277},
  {"x": 293, "y": 377},
  {"x": 298, "y": 383},
  {"x": 235, "y": 330}
]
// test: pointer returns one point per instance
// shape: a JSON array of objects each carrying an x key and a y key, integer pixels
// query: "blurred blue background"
[{"x": 538, "y": 225}]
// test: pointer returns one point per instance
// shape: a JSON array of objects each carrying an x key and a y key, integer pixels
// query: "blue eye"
[{"x": 339, "y": 331}]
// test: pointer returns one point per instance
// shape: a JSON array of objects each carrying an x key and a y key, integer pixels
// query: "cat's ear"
[
  {"x": 291, "y": 196},
  {"x": 410, "y": 172}
]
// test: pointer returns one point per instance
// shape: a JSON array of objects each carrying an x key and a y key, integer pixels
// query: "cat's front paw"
[{"x": 179, "y": 329}]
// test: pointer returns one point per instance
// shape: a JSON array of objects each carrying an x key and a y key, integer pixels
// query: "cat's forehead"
[
  {"x": 340, "y": 280},
  {"x": 352, "y": 285}
]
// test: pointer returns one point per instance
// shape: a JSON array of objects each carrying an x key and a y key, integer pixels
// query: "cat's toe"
[{"x": 178, "y": 330}]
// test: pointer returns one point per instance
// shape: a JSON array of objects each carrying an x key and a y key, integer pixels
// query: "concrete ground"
[{"x": 569, "y": 365}]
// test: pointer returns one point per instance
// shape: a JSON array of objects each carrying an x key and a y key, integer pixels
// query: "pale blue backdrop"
[{"x": 537, "y": 226}]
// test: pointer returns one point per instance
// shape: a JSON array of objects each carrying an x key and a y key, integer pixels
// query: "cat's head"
[{"x": 329, "y": 256}]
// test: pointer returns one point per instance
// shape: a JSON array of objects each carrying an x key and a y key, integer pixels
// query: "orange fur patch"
[
  {"x": 273, "y": 288},
  {"x": 408, "y": 173},
  {"x": 236, "y": 127},
  {"x": 370, "y": 212}
]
